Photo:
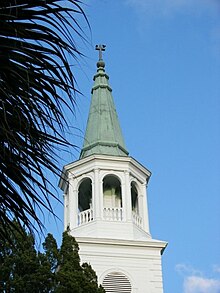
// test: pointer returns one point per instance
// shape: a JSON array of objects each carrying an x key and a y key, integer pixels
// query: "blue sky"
[{"x": 163, "y": 59}]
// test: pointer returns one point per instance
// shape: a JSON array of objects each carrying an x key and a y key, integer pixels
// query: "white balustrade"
[
  {"x": 110, "y": 214},
  {"x": 137, "y": 219},
  {"x": 85, "y": 216},
  {"x": 113, "y": 214}
]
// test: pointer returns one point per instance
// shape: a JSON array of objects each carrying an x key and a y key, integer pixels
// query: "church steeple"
[
  {"x": 105, "y": 202},
  {"x": 103, "y": 133}
]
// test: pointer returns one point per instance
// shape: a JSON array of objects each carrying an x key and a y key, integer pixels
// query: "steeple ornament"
[
  {"x": 100, "y": 48},
  {"x": 100, "y": 63}
]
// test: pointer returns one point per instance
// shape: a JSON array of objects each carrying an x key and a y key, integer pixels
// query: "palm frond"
[{"x": 37, "y": 40}]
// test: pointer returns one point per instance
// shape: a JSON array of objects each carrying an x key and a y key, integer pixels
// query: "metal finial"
[{"x": 100, "y": 48}]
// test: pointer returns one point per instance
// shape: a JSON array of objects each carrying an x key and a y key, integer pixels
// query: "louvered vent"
[{"x": 116, "y": 283}]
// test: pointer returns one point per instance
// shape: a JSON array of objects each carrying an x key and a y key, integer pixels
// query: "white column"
[
  {"x": 127, "y": 201},
  {"x": 101, "y": 196},
  {"x": 73, "y": 204},
  {"x": 123, "y": 198},
  {"x": 96, "y": 195},
  {"x": 144, "y": 206}
]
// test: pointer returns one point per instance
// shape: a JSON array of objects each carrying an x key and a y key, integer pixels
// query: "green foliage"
[
  {"x": 37, "y": 43},
  {"x": 23, "y": 269},
  {"x": 51, "y": 251},
  {"x": 71, "y": 276}
]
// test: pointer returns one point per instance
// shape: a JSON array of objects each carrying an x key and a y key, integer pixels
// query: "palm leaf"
[{"x": 37, "y": 39}]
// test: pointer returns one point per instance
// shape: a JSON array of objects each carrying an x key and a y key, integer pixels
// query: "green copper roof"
[{"x": 103, "y": 133}]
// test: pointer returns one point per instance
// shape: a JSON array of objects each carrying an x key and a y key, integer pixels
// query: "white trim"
[{"x": 151, "y": 243}]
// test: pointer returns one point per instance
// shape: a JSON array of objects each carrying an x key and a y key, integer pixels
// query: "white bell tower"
[{"x": 105, "y": 202}]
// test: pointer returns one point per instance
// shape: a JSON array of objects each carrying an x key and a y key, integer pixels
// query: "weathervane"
[{"x": 100, "y": 48}]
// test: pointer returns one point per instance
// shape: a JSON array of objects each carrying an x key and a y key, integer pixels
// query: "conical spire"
[{"x": 103, "y": 133}]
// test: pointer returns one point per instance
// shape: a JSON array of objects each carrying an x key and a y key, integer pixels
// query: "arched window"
[
  {"x": 134, "y": 198},
  {"x": 116, "y": 282},
  {"x": 85, "y": 195},
  {"x": 112, "y": 192}
]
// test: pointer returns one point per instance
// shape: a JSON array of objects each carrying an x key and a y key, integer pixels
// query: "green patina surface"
[{"x": 103, "y": 133}]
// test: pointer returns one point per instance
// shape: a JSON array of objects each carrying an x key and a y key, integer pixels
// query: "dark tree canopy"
[
  {"x": 71, "y": 275},
  {"x": 37, "y": 41},
  {"x": 23, "y": 269}
]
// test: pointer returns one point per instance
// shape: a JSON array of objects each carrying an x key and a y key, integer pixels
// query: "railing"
[
  {"x": 113, "y": 214},
  {"x": 85, "y": 217},
  {"x": 137, "y": 219},
  {"x": 110, "y": 214}
]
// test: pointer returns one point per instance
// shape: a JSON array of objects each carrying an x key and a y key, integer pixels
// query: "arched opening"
[
  {"x": 134, "y": 198},
  {"x": 116, "y": 282},
  {"x": 112, "y": 198},
  {"x": 85, "y": 194},
  {"x": 112, "y": 192},
  {"x": 135, "y": 205},
  {"x": 85, "y": 201}
]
